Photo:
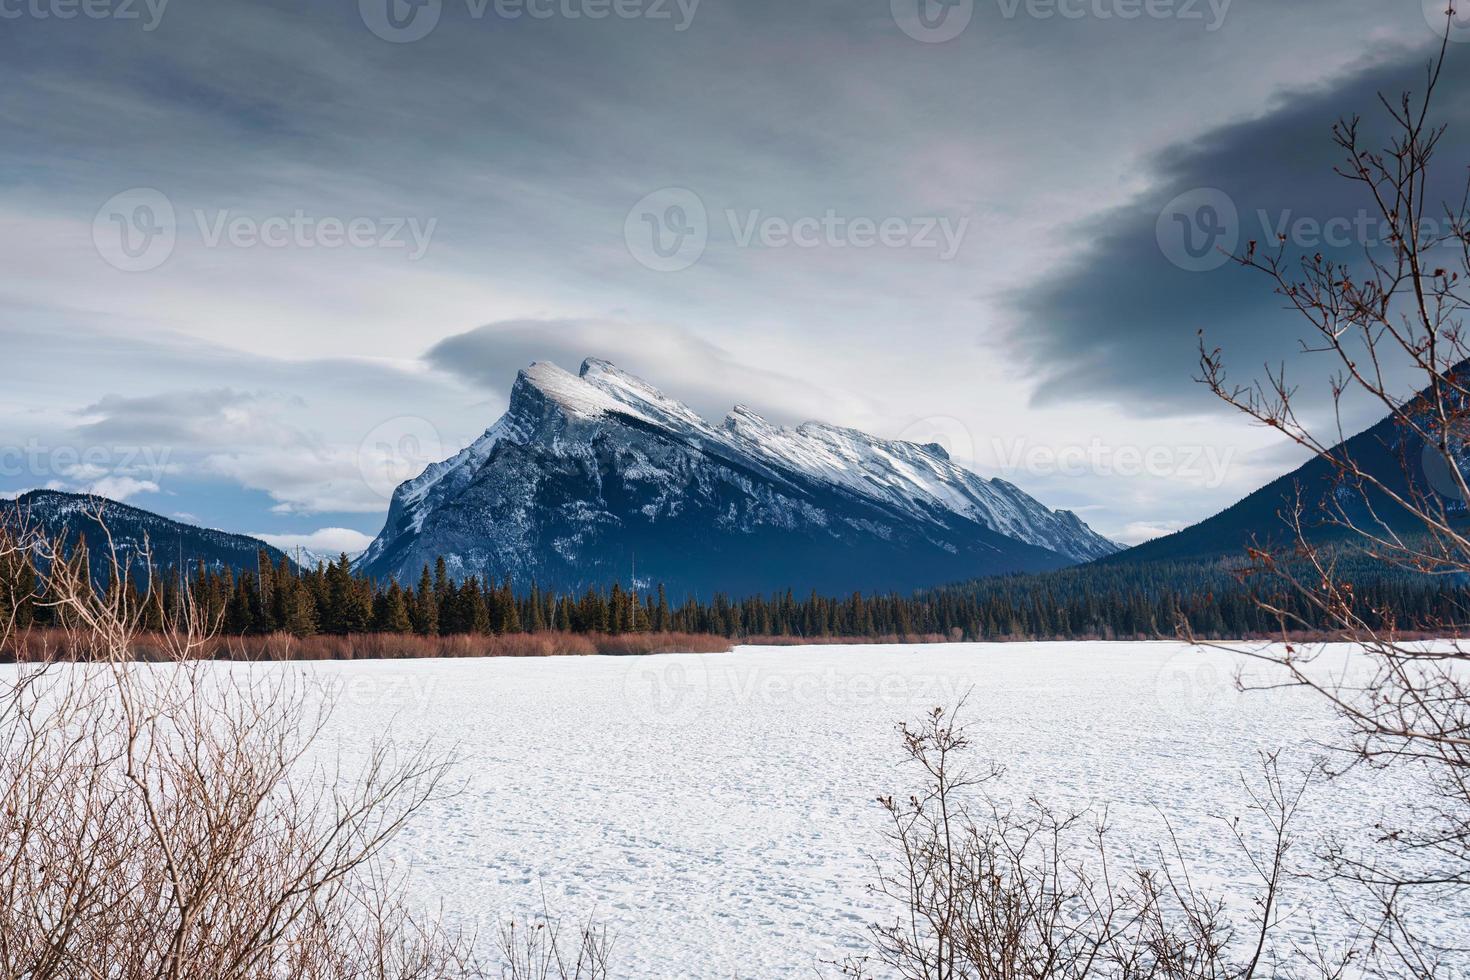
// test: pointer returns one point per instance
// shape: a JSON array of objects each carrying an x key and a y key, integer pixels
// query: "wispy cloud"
[
  {"x": 709, "y": 378},
  {"x": 528, "y": 142},
  {"x": 323, "y": 541}
]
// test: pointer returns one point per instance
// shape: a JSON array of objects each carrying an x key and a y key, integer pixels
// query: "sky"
[{"x": 265, "y": 259}]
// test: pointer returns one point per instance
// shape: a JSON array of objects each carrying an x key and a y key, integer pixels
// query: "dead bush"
[{"x": 987, "y": 891}]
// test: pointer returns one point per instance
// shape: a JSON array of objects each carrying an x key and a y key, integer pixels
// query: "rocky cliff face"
[{"x": 586, "y": 474}]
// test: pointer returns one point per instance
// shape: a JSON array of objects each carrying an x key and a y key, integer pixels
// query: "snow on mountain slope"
[
  {"x": 586, "y": 471},
  {"x": 918, "y": 479},
  {"x": 141, "y": 538}
]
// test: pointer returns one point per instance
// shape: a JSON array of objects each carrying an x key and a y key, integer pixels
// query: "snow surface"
[{"x": 718, "y": 811}]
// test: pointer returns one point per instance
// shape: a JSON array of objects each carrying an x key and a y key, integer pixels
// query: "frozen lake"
[{"x": 718, "y": 811}]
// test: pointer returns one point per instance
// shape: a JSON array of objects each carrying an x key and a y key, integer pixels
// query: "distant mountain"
[
  {"x": 587, "y": 474},
  {"x": 1392, "y": 452},
  {"x": 133, "y": 531}
]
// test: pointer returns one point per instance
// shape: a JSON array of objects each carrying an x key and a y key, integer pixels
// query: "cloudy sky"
[{"x": 264, "y": 258}]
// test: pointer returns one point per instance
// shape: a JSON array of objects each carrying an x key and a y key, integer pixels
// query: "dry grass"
[{"x": 36, "y": 645}]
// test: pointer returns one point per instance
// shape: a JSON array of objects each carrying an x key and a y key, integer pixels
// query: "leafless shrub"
[
  {"x": 534, "y": 949},
  {"x": 1397, "y": 311},
  {"x": 171, "y": 820},
  {"x": 991, "y": 892}
]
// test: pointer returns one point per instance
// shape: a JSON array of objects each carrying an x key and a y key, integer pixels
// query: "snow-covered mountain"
[
  {"x": 587, "y": 474},
  {"x": 136, "y": 534}
]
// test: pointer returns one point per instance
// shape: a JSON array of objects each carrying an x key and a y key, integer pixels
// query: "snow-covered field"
[{"x": 718, "y": 811}]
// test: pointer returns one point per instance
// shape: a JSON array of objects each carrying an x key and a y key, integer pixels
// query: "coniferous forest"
[{"x": 1107, "y": 601}]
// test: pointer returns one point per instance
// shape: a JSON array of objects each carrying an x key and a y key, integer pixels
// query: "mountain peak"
[
  {"x": 596, "y": 365},
  {"x": 744, "y": 415},
  {"x": 142, "y": 540},
  {"x": 643, "y": 398},
  {"x": 585, "y": 468},
  {"x": 544, "y": 383}
]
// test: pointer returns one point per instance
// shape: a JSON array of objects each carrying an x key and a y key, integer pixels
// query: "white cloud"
[
  {"x": 708, "y": 377},
  {"x": 532, "y": 217},
  {"x": 1138, "y": 532},
  {"x": 303, "y": 480},
  {"x": 324, "y": 541},
  {"x": 121, "y": 487}
]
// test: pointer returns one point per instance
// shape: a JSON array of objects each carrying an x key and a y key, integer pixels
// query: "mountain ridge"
[
  {"x": 1388, "y": 449},
  {"x": 585, "y": 473},
  {"x": 64, "y": 517}
]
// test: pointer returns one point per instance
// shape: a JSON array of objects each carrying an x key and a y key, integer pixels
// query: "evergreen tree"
[
  {"x": 661, "y": 611},
  {"x": 510, "y": 619},
  {"x": 537, "y": 616},
  {"x": 349, "y": 603},
  {"x": 425, "y": 607},
  {"x": 299, "y": 609},
  {"x": 390, "y": 613}
]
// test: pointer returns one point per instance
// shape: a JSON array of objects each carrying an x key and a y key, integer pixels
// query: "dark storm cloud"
[
  {"x": 1121, "y": 324},
  {"x": 529, "y": 141}
]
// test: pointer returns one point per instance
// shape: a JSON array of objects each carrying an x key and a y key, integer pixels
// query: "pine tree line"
[
  {"x": 1094, "y": 601},
  {"x": 281, "y": 597}
]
